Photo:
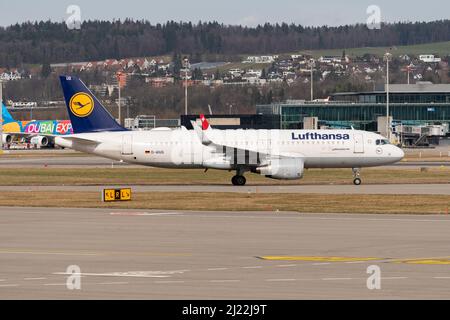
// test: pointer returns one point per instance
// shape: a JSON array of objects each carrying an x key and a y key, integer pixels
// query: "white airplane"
[{"x": 276, "y": 154}]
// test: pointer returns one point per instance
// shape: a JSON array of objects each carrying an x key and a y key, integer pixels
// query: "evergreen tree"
[
  {"x": 177, "y": 65},
  {"x": 46, "y": 70}
]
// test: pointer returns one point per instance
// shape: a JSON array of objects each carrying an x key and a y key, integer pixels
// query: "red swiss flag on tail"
[{"x": 205, "y": 124}]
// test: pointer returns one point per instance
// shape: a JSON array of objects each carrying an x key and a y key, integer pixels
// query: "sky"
[{"x": 244, "y": 12}]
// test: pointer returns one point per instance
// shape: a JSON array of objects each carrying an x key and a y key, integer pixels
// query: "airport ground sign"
[{"x": 122, "y": 194}]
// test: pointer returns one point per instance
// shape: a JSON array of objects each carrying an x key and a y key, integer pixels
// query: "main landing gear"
[
  {"x": 356, "y": 179},
  {"x": 239, "y": 179}
]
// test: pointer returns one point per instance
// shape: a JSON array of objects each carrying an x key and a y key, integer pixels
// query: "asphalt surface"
[
  {"x": 219, "y": 255},
  {"x": 396, "y": 189}
]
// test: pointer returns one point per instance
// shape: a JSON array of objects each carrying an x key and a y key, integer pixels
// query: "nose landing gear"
[{"x": 356, "y": 176}]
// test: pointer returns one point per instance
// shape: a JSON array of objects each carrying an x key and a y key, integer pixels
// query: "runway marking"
[
  {"x": 280, "y": 280},
  {"x": 135, "y": 274},
  {"x": 441, "y": 278},
  {"x": 298, "y": 216},
  {"x": 8, "y": 285},
  {"x": 49, "y": 253},
  {"x": 92, "y": 253},
  {"x": 310, "y": 258},
  {"x": 146, "y": 213},
  {"x": 217, "y": 269},
  {"x": 29, "y": 279},
  {"x": 55, "y": 284},
  {"x": 255, "y": 267}
]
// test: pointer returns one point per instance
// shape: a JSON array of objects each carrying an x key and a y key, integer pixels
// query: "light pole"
[
  {"x": 312, "y": 79},
  {"x": 408, "y": 69},
  {"x": 387, "y": 57},
  {"x": 186, "y": 67},
  {"x": 119, "y": 74}
]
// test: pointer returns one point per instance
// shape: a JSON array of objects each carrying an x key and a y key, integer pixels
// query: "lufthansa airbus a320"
[{"x": 276, "y": 154}]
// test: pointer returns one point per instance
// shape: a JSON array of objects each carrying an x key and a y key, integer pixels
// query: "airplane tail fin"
[
  {"x": 7, "y": 117},
  {"x": 202, "y": 132},
  {"x": 86, "y": 112}
]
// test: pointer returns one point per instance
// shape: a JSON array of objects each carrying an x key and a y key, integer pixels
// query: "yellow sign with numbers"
[{"x": 123, "y": 194}]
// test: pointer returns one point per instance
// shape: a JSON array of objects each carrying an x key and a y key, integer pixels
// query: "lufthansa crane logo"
[{"x": 81, "y": 104}]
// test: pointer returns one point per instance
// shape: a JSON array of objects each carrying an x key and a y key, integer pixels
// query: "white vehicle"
[{"x": 277, "y": 154}]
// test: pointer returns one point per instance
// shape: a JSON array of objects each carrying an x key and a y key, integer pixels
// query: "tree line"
[{"x": 52, "y": 42}]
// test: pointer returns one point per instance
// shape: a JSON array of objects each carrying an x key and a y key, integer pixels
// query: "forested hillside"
[{"x": 52, "y": 42}]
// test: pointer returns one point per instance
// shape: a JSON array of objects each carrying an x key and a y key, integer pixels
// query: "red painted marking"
[{"x": 205, "y": 124}]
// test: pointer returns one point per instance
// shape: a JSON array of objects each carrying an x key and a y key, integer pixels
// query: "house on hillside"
[
  {"x": 260, "y": 59},
  {"x": 429, "y": 58}
]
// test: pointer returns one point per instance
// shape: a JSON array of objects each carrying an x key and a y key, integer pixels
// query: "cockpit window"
[{"x": 381, "y": 142}]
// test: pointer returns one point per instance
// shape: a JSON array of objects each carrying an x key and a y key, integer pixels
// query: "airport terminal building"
[
  {"x": 420, "y": 112},
  {"x": 419, "y": 104}
]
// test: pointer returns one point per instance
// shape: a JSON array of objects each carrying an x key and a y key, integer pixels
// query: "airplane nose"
[{"x": 399, "y": 153}]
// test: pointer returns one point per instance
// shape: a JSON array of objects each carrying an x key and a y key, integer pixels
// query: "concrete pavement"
[{"x": 220, "y": 255}]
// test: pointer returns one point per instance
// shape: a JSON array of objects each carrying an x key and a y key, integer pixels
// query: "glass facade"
[
  {"x": 361, "y": 110},
  {"x": 363, "y": 116},
  {"x": 393, "y": 97}
]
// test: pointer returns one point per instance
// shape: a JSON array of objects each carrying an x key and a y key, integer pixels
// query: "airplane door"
[
  {"x": 359, "y": 143},
  {"x": 127, "y": 144}
]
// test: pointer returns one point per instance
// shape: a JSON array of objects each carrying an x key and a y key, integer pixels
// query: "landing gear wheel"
[
  {"x": 356, "y": 173},
  {"x": 238, "y": 181}
]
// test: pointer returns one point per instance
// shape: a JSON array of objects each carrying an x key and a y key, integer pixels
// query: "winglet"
[
  {"x": 203, "y": 131},
  {"x": 205, "y": 123}
]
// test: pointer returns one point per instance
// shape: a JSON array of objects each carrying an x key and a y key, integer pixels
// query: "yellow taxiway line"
[
  {"x": 318, "y": 259},
  {"x": 429, "y": 261}
]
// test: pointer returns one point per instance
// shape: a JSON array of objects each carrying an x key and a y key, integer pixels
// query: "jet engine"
[
  {"x": 283, "y": 169},
  {"x": 7, "y": 138},
  {"x": 41, "y": 141}
]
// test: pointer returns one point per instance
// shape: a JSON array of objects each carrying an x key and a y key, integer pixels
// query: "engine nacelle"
[
  {"x": 7, "y": 138},
  {"x": 41, "y": 141},
  {"x": 283, "y": 169}
]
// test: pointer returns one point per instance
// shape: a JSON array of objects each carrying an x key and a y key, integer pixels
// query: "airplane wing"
[
  {"x": 30, "y": 134},
  {"x": 79, "y": 140},
  {"x": 262, "y": 157}
]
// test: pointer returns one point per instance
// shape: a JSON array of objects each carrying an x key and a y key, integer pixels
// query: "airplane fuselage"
[{"x": 182, "y": 148}]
